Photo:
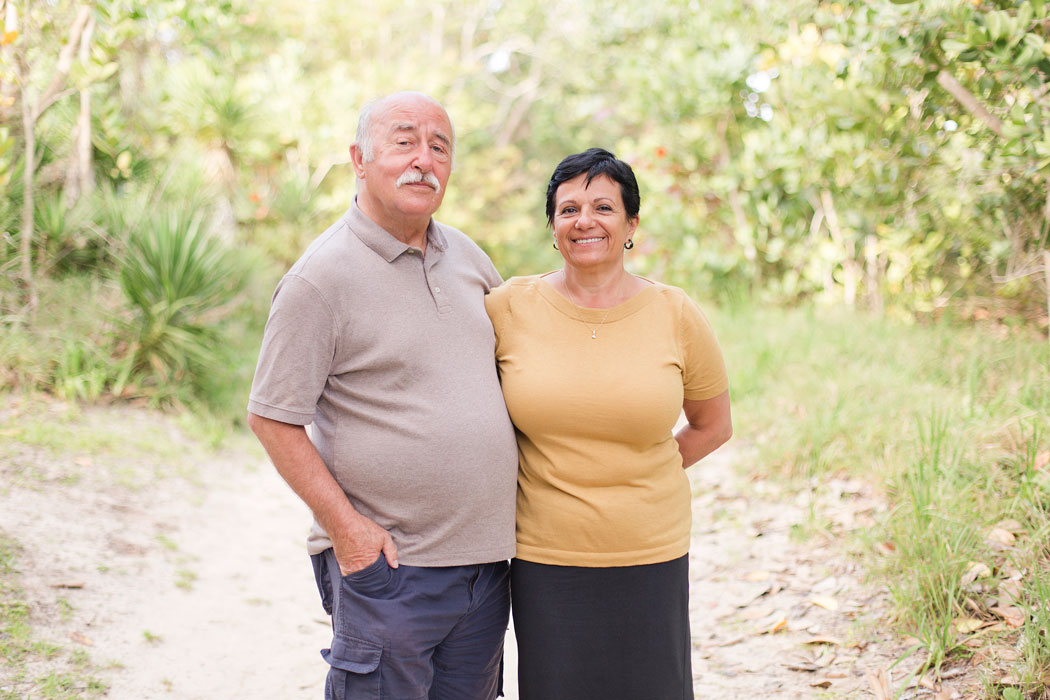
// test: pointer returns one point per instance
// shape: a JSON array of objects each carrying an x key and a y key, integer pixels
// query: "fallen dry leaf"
[
  {"x": 998, "y": 535},
  {"x": 827, "y": 584},
  {"x": 821, "y": 684},
  {"x": 758, "y": 612},
  {"x": 1010, "y": 525},
  {"x": 974, "y": 571},
  {"x": 1007, "y": 653},
  {"x": 966, "y": 625},
  {"x": 1042, "y": 459},
  {"x": 885, "y": 548},
  {"x": 825, "y": 601},
  {"x": 804, "y": 667},
  {"x": 81, "y": 639},
  {"x": 1014, "y": 617},
  {"x": 880, "y": 684},
  {"x": 68, "y": 584},
  {"x": 779, "y": 624},
  {"x": 757, "y": 576},
  {"x": 912, "y": 641},
  {"x": 824, "y": 640},
  {"x": 1011, "y": 588}
]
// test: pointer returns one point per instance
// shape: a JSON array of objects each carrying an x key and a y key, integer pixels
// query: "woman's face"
[{"x": 591, "y": 223}]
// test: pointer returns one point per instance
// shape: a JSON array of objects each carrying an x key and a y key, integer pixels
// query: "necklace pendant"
[{"x": 594, "y": 335}]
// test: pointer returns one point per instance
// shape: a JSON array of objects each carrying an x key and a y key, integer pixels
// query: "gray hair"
[{"x": 365, "y": 128}]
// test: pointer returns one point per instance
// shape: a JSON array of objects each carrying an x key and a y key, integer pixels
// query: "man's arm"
[
  {"x": 710, "y": 426},
  {"x": 357, "y": 540}
]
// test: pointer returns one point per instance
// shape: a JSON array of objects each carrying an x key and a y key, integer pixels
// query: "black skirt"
[{"x": 608, "y": 633}]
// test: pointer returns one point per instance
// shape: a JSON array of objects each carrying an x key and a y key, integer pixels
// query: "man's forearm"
[
  {"x": 299, "y": 464},
  {"x": 357, "y": 539}
]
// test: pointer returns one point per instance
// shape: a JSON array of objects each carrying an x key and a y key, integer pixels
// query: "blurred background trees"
[{"x": 886, "y": 156}]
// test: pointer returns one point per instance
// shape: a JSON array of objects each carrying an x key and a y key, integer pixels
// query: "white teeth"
[{"x": 587, "y": 240}]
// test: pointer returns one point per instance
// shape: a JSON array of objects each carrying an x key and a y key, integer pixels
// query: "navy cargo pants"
[{"x": 414, "y": 633}]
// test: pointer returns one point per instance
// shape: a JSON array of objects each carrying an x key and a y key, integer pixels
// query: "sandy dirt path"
[{"x": 194, "y": 583}]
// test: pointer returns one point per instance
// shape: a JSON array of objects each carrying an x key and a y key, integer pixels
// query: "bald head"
[{"x": 374, "y": 113}]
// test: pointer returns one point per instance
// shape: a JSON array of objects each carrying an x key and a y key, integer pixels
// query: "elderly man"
[{"x": 378, "y": 337}]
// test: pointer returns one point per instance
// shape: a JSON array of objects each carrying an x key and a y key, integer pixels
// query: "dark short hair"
[{"x": 595, "y": 162}]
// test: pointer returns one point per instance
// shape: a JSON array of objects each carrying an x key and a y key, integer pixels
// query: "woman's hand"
[{"x": 710, "y": 426}]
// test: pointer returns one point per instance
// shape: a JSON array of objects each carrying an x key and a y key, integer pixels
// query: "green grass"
[
  {"x": 67, "y": 674},
  {"x": 949, "y": 423}
]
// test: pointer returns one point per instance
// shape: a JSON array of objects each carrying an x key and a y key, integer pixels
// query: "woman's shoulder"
[
  {"x": 518, "y": 285},
  {"x": 510, "y": 295},
  {"x": 669, "y": 293}
]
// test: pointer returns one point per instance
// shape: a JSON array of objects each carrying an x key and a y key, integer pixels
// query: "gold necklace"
[{"x": 594, "y": 331}]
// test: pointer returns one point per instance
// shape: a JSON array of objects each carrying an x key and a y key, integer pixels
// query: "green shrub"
[{"x": 180, "y": 282}]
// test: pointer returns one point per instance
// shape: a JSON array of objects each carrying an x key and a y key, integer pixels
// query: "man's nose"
[{"x": 424, "y": 159}]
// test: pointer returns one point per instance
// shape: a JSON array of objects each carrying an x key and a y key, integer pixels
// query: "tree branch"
[
  {"x": 968, "y": 100},
  {"x": 65, "y": 61}
]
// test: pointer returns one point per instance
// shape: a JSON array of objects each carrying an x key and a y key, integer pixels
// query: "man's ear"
[{"x": 358, "y": 160}]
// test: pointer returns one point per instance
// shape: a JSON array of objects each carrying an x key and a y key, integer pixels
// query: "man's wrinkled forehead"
[{"x": 413, "y": 128}]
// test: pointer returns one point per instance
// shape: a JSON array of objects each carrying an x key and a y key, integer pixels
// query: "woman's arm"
[{"x": 710, "y": 426}]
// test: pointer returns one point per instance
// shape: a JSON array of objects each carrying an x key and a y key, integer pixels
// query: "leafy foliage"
[{"x": 175, "y": 275}]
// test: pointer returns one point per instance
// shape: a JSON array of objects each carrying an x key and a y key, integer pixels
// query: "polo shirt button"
[{"x": 437, "y": 290}]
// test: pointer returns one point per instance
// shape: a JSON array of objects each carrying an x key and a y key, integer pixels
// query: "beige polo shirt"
[{"x": 389, "y": 354}]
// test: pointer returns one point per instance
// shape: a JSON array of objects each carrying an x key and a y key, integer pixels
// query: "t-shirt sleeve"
[
  {"x": 492, "y": 275},
  {"x": 703, "y": 369},
  {"x": 498, "y": 307},
  {"x": 296, "y": 355}
]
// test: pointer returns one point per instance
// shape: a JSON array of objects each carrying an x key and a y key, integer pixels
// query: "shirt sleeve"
[
  {"x": 497, "y": 306},
  {"x": 296, "y": 355},
  {"x": 703, "y": 369}
]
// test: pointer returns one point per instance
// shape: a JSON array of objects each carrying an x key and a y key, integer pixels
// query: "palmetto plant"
[{"x": 177, "y": 279}]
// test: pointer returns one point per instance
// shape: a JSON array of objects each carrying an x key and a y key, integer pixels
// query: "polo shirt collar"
[{"x": 379, "y": 240}]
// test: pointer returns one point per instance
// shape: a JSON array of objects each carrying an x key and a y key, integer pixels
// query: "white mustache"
[{"x": 412, "y": 176}]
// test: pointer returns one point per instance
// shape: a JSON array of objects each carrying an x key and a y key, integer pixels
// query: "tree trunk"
[
  {"x": 31, "y": 111},
  {"x": 850, "y": 268},
  {"x": 80, "y": 176},
  {"x": 1046, "y": 273},
  {"x": 872, "y": 276},
  {"x": 25, "y": 241}
]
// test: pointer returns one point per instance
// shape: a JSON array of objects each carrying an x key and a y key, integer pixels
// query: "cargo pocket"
[{"x": 355, "y": 668}]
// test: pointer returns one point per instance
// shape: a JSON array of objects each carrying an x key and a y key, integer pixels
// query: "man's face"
[{"x": 405, "y": 181}]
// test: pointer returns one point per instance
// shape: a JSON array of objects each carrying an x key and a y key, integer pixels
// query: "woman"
[{"x": 597, "y": 364}]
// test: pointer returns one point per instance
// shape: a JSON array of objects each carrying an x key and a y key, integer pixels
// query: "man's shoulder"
[{"x": 328, "y": 250}]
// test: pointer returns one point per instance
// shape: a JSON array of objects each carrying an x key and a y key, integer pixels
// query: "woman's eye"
[{"x": 568, "y": 210}]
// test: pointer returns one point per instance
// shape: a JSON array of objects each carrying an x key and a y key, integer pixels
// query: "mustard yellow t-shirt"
[{"x": 600, "y": 479}]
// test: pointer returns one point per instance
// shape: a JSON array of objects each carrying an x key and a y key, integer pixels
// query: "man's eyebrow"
[
  {"x": 443, "y": 138},
  {"x": 409, "y": 126}
]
